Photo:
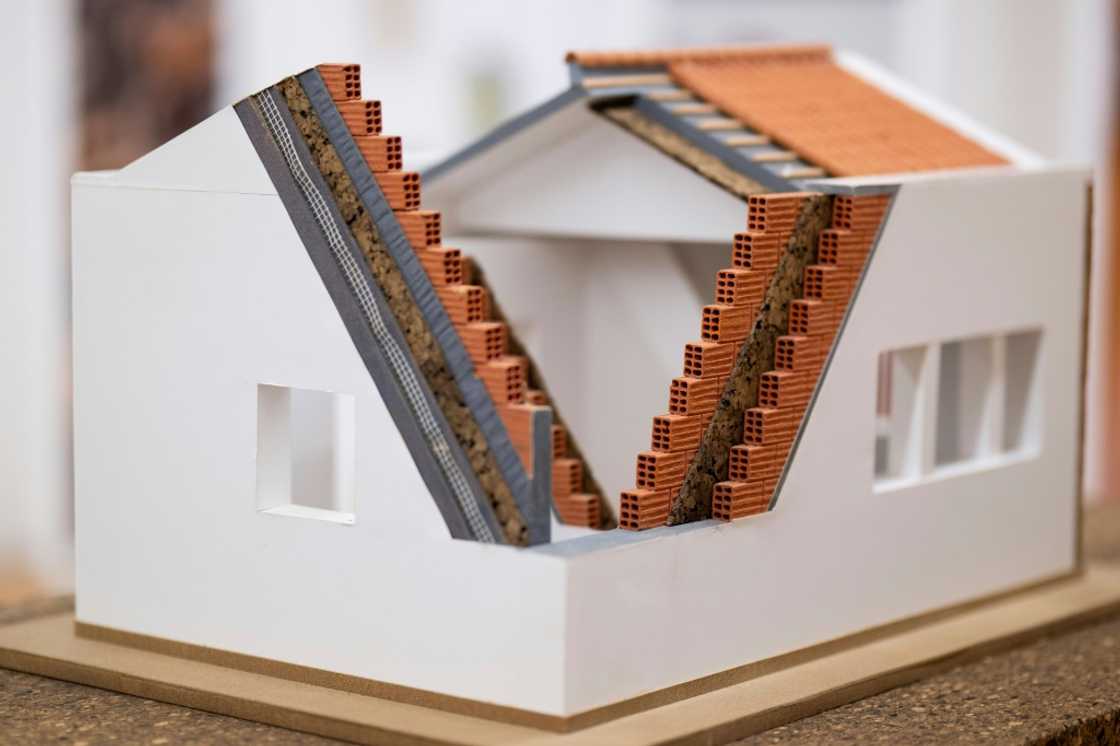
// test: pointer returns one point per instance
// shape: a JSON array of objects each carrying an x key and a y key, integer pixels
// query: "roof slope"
[{"x": 803, "y": 100}]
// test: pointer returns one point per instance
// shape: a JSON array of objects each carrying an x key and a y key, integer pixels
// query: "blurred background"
[{"x": 93, "y": 84}]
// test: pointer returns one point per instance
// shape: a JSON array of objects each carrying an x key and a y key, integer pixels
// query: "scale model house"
[{"x": 737, "y": 352}]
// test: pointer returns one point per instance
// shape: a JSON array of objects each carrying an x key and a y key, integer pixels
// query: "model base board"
[{"x": 720, "y": 708}]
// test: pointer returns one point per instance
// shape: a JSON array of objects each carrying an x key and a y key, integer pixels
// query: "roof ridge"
[{"x": 745, "y": 52}]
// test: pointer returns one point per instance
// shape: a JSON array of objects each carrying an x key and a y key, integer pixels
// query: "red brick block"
[
  {"x": 731, "y": 500},
  {"x": 484, "y": 340},
  {"x": 382, "y": 152},
  {"x": 696, "y": 396},
  {"x": 567, "y": 476},
  {"x": 464, "y": 304},
  {"x": 676, "y": 432},
  {"x": 726, "y": 323},
  {"x": 401, "y": 189},
  {"x": 641, "y": 509},
  {"x": 740, "y": 287},
  {"x": 443, "y": 264},
  {"x": 662, "y": 471},
  {"x": 504, "y": 378},
  {"x": 361, "y": 117},
  {"x": 709, "y": 359},
  {"x": 343, "y": 81},
  {"x": 422, "y": 228}
]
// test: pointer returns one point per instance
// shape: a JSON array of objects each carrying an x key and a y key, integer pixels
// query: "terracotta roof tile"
[{"x": 826, "y": 115}]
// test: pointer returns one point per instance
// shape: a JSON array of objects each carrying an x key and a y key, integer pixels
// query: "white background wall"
[{"x": 445, "y": 71}]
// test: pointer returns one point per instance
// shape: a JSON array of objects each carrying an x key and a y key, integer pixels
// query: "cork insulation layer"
[{"x": 424, "y": 347}]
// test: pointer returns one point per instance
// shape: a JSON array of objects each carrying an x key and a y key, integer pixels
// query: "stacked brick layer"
[
  {"x": 769, "y": 429},
  {"x": 468, "y": 306},
  {"x": 724, "y": 327}
]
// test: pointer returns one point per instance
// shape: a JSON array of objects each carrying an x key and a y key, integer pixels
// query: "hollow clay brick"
[
  {"x": 443, "y": 264},
  {"x": 731, "y": 500},
  {"x": 401, "y": 189},
  {"x": 382, "y": 152},
  {"x": 422, "y": 228},
  {"x": 707, "y": 359},
  {"x": 740, "y": 287},
  {"x": 757, "y": 250},
  {"x": 769, "y": 425},
  {"x": 484, "y": 340},
  {"x": 343, "y": 81},
  {"x": 726, "y": 323},
  {"x": 559, "y": 441},
  {"x": 640, "y": 509},
  {"x": 579, "y": 509},
  {"x": 811, "y": 317},
  {"x": 361, "y": 117},
  {"x": 676, "y": 432},
  {"x": 792, "y": 352},
  {"x": 784, "y": 388},
  {"x": 504, "y": 378},
  {"x": 749, "y": 462},
  {"x": 657, "y": 470},
  {"x": 693, "y": 396},
  {"x": 567, "y": 476},
  {"x": 464, "y": 304}
]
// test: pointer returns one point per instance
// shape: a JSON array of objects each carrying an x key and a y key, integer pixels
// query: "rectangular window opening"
[
  {"x": 967, "y": 407},
  {"x": 1022, "y": 429},
  {"x": 898, "y": 400},
  {"x": 305, "y": 453}
]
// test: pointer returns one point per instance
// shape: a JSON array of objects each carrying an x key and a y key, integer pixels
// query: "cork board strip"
[
  {"x": 536, "y": 381},
  {"x": 693, "y": 502},
  {"x": 734, "y": 706},
  {"x": 358, "y": 327},
  {"x": 420, "y": 287},
  {"x": 625, "y": 114},
  {"x": 425, "y": 349}
]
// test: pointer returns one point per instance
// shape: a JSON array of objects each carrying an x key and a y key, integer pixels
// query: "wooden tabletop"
[{"x": 1063, "y": 689}]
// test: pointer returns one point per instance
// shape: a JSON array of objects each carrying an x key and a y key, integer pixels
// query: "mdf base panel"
[{"x": 714, "y": 710}]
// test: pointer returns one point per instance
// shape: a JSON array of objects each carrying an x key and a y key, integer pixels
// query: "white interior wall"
[{"x": 606, "y": 323}]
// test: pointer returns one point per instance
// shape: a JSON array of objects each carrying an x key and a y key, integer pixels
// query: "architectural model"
[{"x": 715, "y": 356}]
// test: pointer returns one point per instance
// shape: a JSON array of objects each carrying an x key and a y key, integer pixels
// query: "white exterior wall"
[
  {"x": 962, "y": 255},
  {"x": 189, "y": 293}
]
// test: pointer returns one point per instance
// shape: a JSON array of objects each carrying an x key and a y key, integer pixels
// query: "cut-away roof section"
[{"x": 792, "y": 109}]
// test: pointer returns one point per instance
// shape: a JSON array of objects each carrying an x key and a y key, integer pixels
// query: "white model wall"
[
  {"x": 961, "y": 256},
  {"x": 187, "y": 297}
]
